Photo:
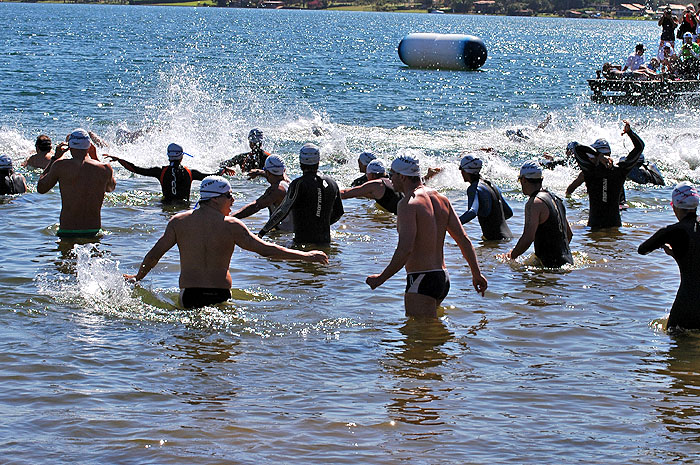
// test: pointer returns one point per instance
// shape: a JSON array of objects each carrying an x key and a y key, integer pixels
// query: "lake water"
[{"x": 306, "y": 364}]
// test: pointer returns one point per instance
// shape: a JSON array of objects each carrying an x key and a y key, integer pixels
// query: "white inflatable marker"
[{"x": 442, "y": 51}]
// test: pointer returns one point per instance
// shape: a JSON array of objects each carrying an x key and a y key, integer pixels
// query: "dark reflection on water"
[{"x": 679, "y": 409}]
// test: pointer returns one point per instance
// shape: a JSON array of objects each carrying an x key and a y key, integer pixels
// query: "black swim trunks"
[
  {"x": 435, "y": 284},
  {"x": 195, "y": 297}
]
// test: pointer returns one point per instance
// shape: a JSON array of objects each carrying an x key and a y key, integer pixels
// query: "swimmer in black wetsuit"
[
  {"x": 362, "y": 161},
  {"x": 484, "y": 202},
  {"x": 10, "y": 182},
  {"x": 253, "y": 160},
  {"x": 682, "y": 242},
  {"x": 175, "y": 179},
  {"x": 604, "y": 180},
  {"x": 378, "y": 187},
  {"x": 545, "y": 222},
  {"x": 314, "y": 200}
]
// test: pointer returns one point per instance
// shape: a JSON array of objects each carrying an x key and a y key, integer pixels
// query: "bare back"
[
  {"x": 206, "y": 240},
  {"x": 83, "y": 184},
  {"x": 431, "y": 213}
]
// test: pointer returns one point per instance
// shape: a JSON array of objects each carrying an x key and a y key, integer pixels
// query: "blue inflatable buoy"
[{"x": 442, "y": 51}]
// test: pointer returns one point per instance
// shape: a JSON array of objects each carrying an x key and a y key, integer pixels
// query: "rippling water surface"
[{"x": 305, "y": 364}]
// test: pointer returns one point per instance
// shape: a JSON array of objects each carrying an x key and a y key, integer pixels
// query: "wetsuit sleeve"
[
  {"x": 237, "y": 160},
  {"x": 472, "y": 206},
  {"x": 581, "y": 154},
  {"x": 152, "y": 172},
  {"x": 673, "y": 235},
  {"x": 551, "y": 164},
  {"x": 198, "y": 175},
  {"x": 633, "y": 158},
  {"x": 338, "y": 210},
  {"x": 283, "y": 210}
]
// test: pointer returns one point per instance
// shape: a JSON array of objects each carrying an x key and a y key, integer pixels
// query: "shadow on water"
[{"x": 678, "y": 407}]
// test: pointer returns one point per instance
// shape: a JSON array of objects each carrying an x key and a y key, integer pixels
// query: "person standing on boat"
[
  {"x": 668, "y": 24},
  {"x": 690, "y": 58},
  {"x": 689, "y": 22},
  {"x": 484, "y": 201},
  {"x": 605, "y": 180},
  {"x": 682, "y": 242}
]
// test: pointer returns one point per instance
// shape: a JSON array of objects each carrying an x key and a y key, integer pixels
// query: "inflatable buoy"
[{"x": 442, "y": 51}]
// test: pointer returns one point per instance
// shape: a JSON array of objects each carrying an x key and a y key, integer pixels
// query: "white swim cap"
[
  {"x": 470, "y": 164},
  {"x": 366, "y": 157},
  {"x": 601, "y": 146},
  {"x": 79, "y": 139},
  {"x": 274, "y": 165},
  {"x": 255, "y": 136},
  {"x": 531, "y": 169},
  {"x": 175, "y": 152},
  {"x": 5, "y": 162},
  {"x": 309, "y": 154},
  {"x": 376, "y": 166},
  {"x": 685, "y": 196},
  {"x": 406, "y": 165},
  {"x": 213, "y": 186},
  {"x": 688, "y": 35}
]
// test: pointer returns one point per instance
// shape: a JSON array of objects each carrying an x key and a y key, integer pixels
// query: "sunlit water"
[{"x": 306, "y": 364}]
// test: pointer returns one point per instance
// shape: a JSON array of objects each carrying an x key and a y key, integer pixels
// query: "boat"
[{"x": 651, "y": 92}]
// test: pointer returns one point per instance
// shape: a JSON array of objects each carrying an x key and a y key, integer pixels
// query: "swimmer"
[
  {"x": 83, "y": 183},
  {"x": 206, "y": 238},
  {"x": 175, "y": 179},
  {"x": 253, "y": 160},
  {"x": 605, "y": 180},
  {"x": 362, "y": 161},
  {"x": 682, "y": 242},
  {"x": 313, "y": 199},
  {"x": 545, "y": 222},
  {"x": 378, "y": 187},
  {"x": 10, "y": 182},
  {"x": 521, "y": 134},
  {"x": 43, "y": 154},
  {"x": 424, "y": 216},
  {"x": 275, "y": 173},
  {"x": 484, "y": 201}
]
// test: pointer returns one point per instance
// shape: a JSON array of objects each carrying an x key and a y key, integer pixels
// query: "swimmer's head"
[
  {"x": 571, "y": 149},
  {"x": 79, "y": 139},
  {"x": 43, "y": 142},
  {"x": 531, "y": 170},
  {"x": 376, "y": 167},
  {"x": 406, "y": 165},
  {"x": 601, "y": 146},
  {"x": 470, "y": 164},
  {"x": 309, "y": 154},
  {"x": 687, "y": 38},
  {"x": 639, "y": 48},
  {"x": 685, "y": 196},
  {"x": 175, "y": 152},
  {"x": 274, "y": 165},
  {"x": 5, "y": 163},
  {"x": 365, "y": 158},
  {"x": 212, "y": 187},
  {"x": 255, "y": 137}
]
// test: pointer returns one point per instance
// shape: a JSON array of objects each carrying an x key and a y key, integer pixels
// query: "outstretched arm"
[
  {"x": 455, "y": 229},
  {"x": 369, "y": 190},
  {"x": 152, "y": 172},
  {"x": 165, "y": 243},
  {"x": 248, "y": 241}
]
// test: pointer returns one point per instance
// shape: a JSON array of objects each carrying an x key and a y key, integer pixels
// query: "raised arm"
[
  {"x": 455, "y": 229},
  {"x": 633, "y": 157},
  {"x": 165, "y": 243},
  {"x": 49, "y": 177},
  {"x": 581, "y": 153}
]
